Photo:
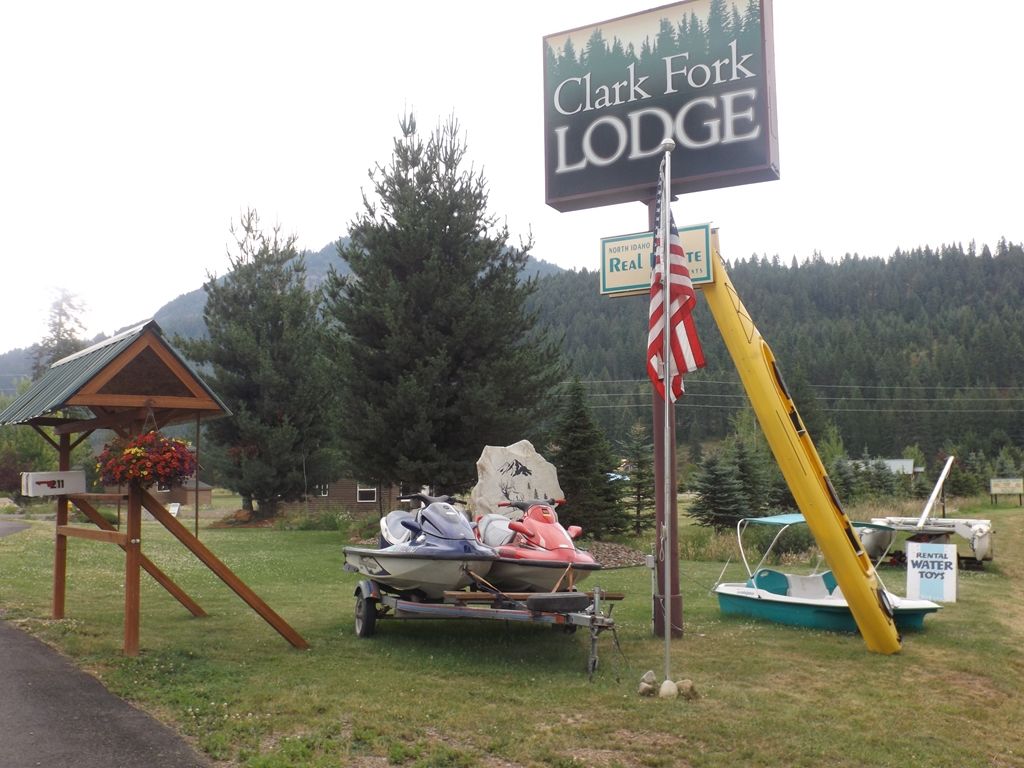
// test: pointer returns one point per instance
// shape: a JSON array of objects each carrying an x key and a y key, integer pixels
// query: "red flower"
[{"x": 149, "y": 458}]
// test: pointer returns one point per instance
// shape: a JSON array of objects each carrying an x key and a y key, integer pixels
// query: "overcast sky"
[{"x": 133, "y": 134}]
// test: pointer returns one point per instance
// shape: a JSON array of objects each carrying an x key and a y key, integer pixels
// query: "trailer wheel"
[{"x": 366, "y": 616}]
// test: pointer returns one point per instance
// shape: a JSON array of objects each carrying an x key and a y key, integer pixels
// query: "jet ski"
[
  {"x": 425, "y": 552},
  {"x": 535, "y": 553}
]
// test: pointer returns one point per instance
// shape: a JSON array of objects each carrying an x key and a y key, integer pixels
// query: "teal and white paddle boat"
[{"x": 814, "y": 601}]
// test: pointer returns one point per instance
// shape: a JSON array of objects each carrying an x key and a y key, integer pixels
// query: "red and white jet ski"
[{"x": 535, "y": 553}]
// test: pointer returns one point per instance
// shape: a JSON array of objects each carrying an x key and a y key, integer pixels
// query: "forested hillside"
[
  {"x": 184, "y": 315},
  {"x": 926, "y": 348}
]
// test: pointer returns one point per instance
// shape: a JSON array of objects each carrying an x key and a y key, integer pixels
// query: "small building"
[
  {"x": 353, "y": 495},
  {"x": 184, "y": 494},
  {"x": 903, "y": 467}
]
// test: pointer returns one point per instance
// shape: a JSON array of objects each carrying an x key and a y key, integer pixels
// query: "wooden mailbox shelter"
[{"x": 126, "y": 384}]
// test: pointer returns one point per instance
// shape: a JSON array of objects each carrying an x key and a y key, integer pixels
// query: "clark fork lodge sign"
[{"x": 691, "y": 71}]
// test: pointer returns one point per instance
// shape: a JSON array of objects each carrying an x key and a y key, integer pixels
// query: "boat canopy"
[{"x": 795, "y": 518}]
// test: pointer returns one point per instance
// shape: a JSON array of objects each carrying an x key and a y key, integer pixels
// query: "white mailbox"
[{"x": 52, "y": 483}]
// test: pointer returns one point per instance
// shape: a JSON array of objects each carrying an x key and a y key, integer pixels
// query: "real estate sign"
[
  {"x": 626, "y": 260},
  {"x": 692, "y": 71}
]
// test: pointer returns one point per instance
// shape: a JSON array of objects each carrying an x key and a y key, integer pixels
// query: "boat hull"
[
  {"x": 523, "y": 575},
  {"x": 830, "y": 613},
  {"x": 430, "y": 575}
]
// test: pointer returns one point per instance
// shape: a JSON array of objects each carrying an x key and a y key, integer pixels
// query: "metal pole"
[{"x": 666, "y": 548}]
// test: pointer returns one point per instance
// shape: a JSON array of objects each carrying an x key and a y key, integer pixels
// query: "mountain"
[
  {"x": 925, "y": 347},
  {"x": 15, "y": 365},
  {"x": 184, "y": 315}
]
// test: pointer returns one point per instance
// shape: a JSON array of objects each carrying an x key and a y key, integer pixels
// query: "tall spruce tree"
[
  {"x": 721, "y": 500},
  {"x": 64, "y": 327},
  {"x": 266, "y": 353},
  {"x": 583, "y": 458},
  {"x": 437, "y": 356},
  {"x": 638, "y": 451}
]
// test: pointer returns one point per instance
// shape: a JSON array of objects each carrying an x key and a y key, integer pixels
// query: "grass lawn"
[{"x": 451, "y": 693}]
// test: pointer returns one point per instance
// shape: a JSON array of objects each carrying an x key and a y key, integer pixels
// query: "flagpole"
[{"x": 666, "y": 608}]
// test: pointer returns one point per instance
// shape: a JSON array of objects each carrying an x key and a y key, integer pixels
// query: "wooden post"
[
  {"x": 60, "y": 554},
  {"x": 161, "y": 578},
  {"x": 132, "y": 571},
  {"x": 224, "y": 573},
  {"x": 196, "y": 486}
]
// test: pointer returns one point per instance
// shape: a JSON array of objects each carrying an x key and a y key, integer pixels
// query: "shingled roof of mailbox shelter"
[{"x": 128, "y": 377}]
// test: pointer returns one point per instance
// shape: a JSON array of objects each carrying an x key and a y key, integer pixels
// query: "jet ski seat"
[
  {"x": 391, "y": 529},
  {"x": 494, "y": 530}
]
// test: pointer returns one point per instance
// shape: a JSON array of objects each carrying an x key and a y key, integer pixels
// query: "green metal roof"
[{"x": 67, "y": 376}]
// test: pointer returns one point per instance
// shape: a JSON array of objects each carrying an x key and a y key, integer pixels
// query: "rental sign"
[{"x": 692, "y": 71}]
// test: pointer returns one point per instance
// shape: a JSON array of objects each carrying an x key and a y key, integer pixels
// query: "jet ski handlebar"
[
  {"x": 525, "y": 504},
  {"x": 426, "y": 500}
]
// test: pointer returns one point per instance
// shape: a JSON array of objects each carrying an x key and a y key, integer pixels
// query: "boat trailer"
[{"x": 568, "y": 610}]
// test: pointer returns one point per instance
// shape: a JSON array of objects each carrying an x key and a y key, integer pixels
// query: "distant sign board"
[
  {"x": 1011, "y": 486},
  {"x": 626, "y": 260},
  {"x": 691, "y": 72},
  {"x": 52, "y": 483},
  {"x": 931, "y": 572}
]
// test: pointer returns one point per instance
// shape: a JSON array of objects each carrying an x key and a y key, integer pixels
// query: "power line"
[
  {"x": 846, "y": 398},
  {"x": 687, "y": 405},
  {"x": 698, "y": 379}
]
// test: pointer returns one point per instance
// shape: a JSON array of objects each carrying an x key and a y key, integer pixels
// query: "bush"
[{"x": 320, "y": 519}]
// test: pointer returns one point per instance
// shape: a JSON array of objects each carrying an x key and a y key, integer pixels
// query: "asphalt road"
[
  {"x": 54, "y": 715},
  {"x": 10, "y": 526}
]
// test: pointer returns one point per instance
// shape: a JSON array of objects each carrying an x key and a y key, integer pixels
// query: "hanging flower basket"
[{"x": 148, "y": 459}]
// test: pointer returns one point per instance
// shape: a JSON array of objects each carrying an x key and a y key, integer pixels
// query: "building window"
[
  {"x": 322, "y": 489},
  {"x": 366, "y": 493}
]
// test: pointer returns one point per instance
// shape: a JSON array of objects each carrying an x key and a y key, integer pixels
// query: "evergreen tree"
[
  {"x": 265, "y": 350},
  {"x": 842, "y": 475},
  {"x": 583, "y": 458},
  {"x": 755, "y": 481},
  {"x": 436, "y": 353},
  {"x": 63, "y": 330},
  {"x": 720, "y": 501},
  {"x": 755, "y": 466},
  {"x": 830, "y": 446},
  {"x": 639, "y": 496}
]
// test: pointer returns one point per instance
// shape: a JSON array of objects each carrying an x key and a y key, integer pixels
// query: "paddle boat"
[{"x": 814, "y": 600}]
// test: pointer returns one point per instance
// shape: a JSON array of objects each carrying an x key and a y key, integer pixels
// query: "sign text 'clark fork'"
[{"x": 692, "y": 72}]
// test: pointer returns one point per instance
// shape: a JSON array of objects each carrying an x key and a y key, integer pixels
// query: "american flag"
[{"x": 687, "y": 355}]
